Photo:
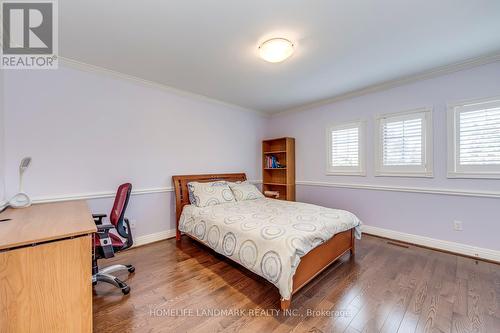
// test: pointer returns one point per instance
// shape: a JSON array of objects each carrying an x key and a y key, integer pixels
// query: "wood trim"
[
  {"x": 182, "y": 194},
  {"x": 319, "y": 259}
]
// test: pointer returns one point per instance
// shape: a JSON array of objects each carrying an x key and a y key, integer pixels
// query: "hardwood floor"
[{"x": 386, "y": 288}]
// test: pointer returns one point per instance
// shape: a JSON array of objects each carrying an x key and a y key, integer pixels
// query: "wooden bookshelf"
[{"x": 280, "y": 179}]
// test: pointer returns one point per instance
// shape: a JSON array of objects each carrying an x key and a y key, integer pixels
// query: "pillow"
[
  {"x": 245, "y": 191},
  {"x": 209, "y": 194},
  {"x": 192, "y": 199}
]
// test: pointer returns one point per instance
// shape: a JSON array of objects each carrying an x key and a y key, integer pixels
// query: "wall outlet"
[
  {"x": 132, "y": 224},
  {"x": 457, "y": 226}
]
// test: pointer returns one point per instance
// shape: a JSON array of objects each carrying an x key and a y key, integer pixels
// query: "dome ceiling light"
[{"x": 276, "y": 49}]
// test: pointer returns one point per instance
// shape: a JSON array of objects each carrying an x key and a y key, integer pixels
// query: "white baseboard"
[
  {"x": 438, "y": 244},
  {"x": 151, "y": 238}
]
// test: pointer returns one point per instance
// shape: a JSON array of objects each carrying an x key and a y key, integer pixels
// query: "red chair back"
[{"x": 121, "y": 202}]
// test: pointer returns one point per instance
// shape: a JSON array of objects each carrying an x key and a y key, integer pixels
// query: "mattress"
[{"x": 267, "y": 236}]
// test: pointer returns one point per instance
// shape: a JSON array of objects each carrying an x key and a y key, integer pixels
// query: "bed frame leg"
[
  {"x": 353, "y": 243},
  {"x": 177, "y": 235},
  {"x": 285, "y": 304}
]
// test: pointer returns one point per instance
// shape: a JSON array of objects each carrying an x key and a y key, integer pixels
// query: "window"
[
  {"x": 345, "y": 149},
  {"x": 404, "y": 144},
  {"x": 474, "y": 139}
]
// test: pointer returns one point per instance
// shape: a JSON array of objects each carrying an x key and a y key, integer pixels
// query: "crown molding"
[
  {"x": 437, "y": 71},
  {"x": 428, "y": 74},
  {"x": 78, "y": 65}
]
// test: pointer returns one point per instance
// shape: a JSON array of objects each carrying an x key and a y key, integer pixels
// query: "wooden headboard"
[{"x": 182, "y": 194}]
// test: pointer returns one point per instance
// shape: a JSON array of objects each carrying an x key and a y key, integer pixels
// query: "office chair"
[{"x": 107, "y": 243}]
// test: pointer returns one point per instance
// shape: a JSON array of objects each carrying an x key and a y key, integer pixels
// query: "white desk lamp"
[{"x": 21, "y": 199}]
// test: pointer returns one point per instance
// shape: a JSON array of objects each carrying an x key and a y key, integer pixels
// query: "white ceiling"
[{"x": 210, "y": 47}]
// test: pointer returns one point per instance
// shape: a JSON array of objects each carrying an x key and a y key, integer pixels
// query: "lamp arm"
[{"x": 21, "y": 181}]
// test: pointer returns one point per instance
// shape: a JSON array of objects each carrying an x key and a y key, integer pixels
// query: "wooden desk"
[{"x": 45, "y": 268}]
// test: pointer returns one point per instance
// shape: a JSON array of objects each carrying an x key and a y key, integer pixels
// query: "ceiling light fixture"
[{"x": 276, "y": 49}]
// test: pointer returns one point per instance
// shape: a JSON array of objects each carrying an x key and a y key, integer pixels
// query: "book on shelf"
[{"x": 272, "y": 163}]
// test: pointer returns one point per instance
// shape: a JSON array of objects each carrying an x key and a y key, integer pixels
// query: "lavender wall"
[
  {"x": 88, "y": 131},
  {"x": 2, "y": 141},
  {"x": 422, "y": 214}
]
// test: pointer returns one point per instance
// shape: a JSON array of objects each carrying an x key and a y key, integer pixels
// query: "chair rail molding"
[
  {"x": 105, "y": 194},
  {"x": 97, "y": 195},
  {"x": 411, "y": 189}
]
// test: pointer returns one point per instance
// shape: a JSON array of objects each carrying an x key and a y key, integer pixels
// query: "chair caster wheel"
[
  {"x": 126, "y": 290},
  {"x": 131, "y": 269}
]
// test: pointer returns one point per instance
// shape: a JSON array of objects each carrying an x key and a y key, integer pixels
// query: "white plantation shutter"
[
  {"x": 404, "y": 144},
  {"x": 474, "y": 149},
  {"x": 345, "y": 149},
  {"x": 479, "y": 133}
]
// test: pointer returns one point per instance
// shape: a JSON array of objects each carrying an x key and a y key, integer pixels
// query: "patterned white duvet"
[{"x": 266, "y": 236}]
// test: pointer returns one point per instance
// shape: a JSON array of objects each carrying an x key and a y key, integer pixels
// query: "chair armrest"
[
  {"x": 98, "y": 218},
  {"x": 105, "y": 227},
  {"x": 106, "y": 245}
]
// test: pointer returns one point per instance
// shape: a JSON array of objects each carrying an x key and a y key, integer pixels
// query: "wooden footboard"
[
  {"x": 310, "y": 265},
  {"x": 319, "y": 259}
]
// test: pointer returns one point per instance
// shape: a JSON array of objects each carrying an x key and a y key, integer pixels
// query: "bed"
[{"x": 287, "y": 243}]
